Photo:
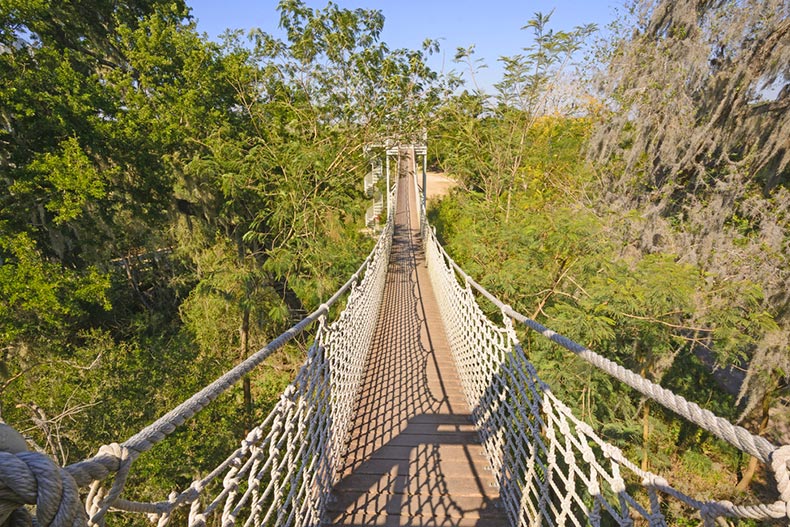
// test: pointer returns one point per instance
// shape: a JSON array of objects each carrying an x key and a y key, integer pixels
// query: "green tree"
[
  {"x": 75, "y": 198},
  {"x": 689, "y": 153},
  {"x": 496, "y": 137}
]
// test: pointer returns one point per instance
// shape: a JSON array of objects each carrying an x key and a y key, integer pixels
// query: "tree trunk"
[
  {"x": 645, "y": 433},
  {"x": 751, "y": 468},
  {"x": 244, "y": 334},
  {"x": 645, "y": 423}
]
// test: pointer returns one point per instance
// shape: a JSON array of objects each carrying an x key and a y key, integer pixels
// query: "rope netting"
[
  {"x": 284, "y": 469},
  {"x": 552, "y": 468}
]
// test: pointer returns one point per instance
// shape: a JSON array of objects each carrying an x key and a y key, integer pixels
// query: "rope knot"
[
  {"x": 654, "y": 481},
  {"x": 780, "y": 464},
  {"x": 30, "y": 478},
  {"x": 99, "y": 500}
]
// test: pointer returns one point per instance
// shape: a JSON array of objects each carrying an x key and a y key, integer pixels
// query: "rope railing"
[
  {"x": 285, "y": 467},
  {"x": 552, "y": 468}
]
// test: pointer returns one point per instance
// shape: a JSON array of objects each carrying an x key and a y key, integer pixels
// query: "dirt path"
[{"x": 439, "y": 184}]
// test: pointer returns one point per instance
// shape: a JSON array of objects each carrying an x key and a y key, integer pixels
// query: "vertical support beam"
[
  {"x": 425, "y": 180},
  {"x": 389, "y": 208},
  {"x": 397, "y": 165}
]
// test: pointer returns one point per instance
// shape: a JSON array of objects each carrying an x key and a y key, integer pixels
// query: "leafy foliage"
[
  {"x": 572, "y": 245},
  {"x": 496, "y": 138},
  {"x": 693, "y": 144},
  {"x": 171, "y": 204}
]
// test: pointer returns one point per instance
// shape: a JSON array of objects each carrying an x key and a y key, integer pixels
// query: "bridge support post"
[
  {"x": 389, "y": 205},
  {"x": 424, "y": 180}
]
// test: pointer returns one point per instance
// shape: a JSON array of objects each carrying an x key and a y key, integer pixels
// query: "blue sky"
[{"x": 493, "y": 26}]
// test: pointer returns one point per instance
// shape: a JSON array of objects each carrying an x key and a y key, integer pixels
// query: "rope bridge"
[{"x": 550, "y": 467}]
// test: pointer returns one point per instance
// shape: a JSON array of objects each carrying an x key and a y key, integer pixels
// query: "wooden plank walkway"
[{"x": 414, "y": 457}]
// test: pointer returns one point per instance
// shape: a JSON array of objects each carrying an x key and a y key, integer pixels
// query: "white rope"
[{"x": 553, "y": 468}]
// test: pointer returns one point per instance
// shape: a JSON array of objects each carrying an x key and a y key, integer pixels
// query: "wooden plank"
[
  {"x": 371, "y": 520},
  {"x": 431, "y": 506}
]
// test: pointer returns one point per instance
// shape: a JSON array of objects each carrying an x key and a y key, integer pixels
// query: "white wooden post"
[
  {"x": 387, "y": 157},
  {"x": 425, "y": 179}
]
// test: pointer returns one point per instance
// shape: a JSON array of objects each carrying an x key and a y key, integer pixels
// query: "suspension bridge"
[{"x": 412, "y": 408}]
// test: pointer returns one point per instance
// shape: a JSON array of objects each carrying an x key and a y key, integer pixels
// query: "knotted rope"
[
  {"x": 30, "y": 478},
  {"x": 780, "y": 464}
]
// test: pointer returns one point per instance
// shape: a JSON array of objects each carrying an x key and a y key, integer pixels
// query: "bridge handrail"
[
  {"x": 775, "y": 457},
  {"x": 737, "y": 436}
]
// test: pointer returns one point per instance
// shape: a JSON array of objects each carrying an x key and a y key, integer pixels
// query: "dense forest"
[
  {"x": 170, "y": 204},
  {"x": 644, "y": 214}
]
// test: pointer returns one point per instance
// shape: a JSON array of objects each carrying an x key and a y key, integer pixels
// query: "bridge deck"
[{"x": 414, "y": 457}]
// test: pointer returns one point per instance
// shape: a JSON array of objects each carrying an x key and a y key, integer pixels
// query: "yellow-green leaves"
[
  {"x": 38, "y": 299},
  {"x": 75, "y": 181}
]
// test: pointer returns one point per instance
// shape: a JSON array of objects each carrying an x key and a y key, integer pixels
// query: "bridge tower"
[{"x": 378, "y": 170}]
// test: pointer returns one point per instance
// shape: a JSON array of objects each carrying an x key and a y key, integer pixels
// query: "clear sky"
[{"x": 493, "y": 26}]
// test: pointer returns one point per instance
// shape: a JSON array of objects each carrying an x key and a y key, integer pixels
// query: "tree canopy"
[{"x": 171, "y": 203}]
